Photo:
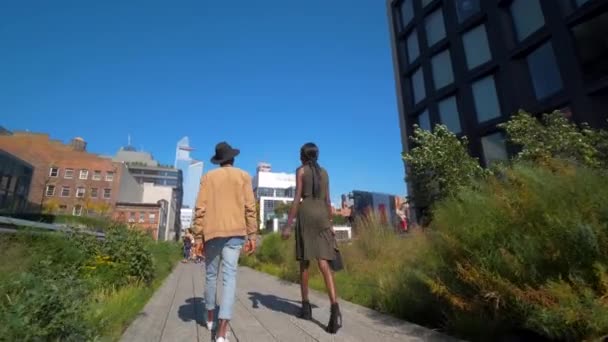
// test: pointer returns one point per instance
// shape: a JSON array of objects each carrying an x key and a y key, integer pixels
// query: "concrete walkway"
[{"x": 265, "y": 310}]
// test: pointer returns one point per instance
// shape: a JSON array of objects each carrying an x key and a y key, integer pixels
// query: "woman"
[{"x": 314, "y": 234}]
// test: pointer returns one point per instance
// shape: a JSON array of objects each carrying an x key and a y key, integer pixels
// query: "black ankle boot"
[
  {"x": 335, "y": 320},
  {"x": 306, "y": 311}
]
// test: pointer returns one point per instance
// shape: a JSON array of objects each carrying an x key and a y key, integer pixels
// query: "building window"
[
  {"x": 435, "y": 27},
  {"x": 152, "y": 218},
  {"x": 449, "y": 115},
  {"x": 424, "y": 120},
  {"x": 63, "y": 208},
  {"x": 486, "y": 99},
  {"x": 266, "y": 192},
  {"x": 54, "y": 172},
  {"x": 109, "y": 176},
  {"x": 544, "y": 72},
  {"x": 443, "y": 74},
  {"x": 592, "y": 46},
  {"x": 527, "y": 17},
  {"x": 413, "y": 49},
  {"x": 418, "y": 86},
  {"x": 476, "y": 47},
  {"x": 131, "y": 217},
  {"x": 65, "y": 191},
  {"x": 96, "y": 175},
  {"x": 466, "y": 8},
  {"x": 77, "y": 211},
  {"x": 50, "y": 191},
  {"x": 407, "y": 12},
  {"x": 142, "y": 217},
  {"x": 494, "y": 148},
  {"x": 94, "y": 192},
  {"x": 68, "y": 174},
  {"x": 107, "y": 193},
  {"x": 80, "y": 191},
  {"x": 84, "y": 174}
]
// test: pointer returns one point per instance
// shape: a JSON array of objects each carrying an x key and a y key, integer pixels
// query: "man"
[{"x": 226, "y": 217}]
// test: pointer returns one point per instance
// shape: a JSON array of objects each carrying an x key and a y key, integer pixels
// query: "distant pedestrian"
[
  {"x": 198, "y": 249},
  {"x": 226, "y": 217},
  {"x": 315, "y": 238},
  {"x": 187, "y": 241}
]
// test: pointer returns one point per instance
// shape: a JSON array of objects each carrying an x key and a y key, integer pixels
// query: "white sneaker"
[
  {"x": 222, "y": 339},
  {"x": 210, "y": 326}
]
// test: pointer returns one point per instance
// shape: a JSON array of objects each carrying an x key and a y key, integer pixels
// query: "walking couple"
[{"x": 226, "y": 218}]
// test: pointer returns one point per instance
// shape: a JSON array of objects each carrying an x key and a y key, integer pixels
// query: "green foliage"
[
  {"x": 271, "y": 250},
  {"x": 130, "y": 248},
  {"x": 555, "y": 137},
  {"x": 74, "y": 287},
  {"x": 339, "y": 220},
  {"x": 526, "y": 251},
  {"x": 440, "y": 165},
  {"x": 282, "y": 209},
  {"x": 43, "y": 305}
]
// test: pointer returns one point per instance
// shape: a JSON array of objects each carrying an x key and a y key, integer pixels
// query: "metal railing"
[{"x": 13, "y": 225}]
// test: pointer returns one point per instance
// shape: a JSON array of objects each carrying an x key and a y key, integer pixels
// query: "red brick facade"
[
  {"x": 66, "y": 178},
  {"x": 143, "y": 216}
]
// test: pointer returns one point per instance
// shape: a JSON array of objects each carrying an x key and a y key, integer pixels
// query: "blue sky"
[{"x": 267, "y": 76}]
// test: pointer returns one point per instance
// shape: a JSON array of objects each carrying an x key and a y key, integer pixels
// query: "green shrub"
[
  {"x": 529, "y": 251},
  {"x": 129, "y": 250},
  {"x": 555, "y": 137},
  {"x": 44, "y": 305},
  {"x": 73, "y": 287},
  {"x": 272, "y": 249},
  {"x": 439, "y": 165}
]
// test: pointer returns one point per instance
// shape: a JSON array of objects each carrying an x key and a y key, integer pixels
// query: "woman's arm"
[
  {"x": 293, "y": 211},
  {"x": 328, "y": 200},
  {"x": 329, "y": 208}
]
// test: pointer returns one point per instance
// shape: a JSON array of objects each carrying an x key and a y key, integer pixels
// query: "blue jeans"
[{"x": 227, "y": 250}]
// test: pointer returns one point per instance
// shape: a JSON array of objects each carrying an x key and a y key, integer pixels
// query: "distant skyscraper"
[{"x": 192, "y": 171}]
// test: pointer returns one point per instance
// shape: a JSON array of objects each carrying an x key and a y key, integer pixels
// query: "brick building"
[
  {"x": 66, "y": 178},
  {"x": 148, "y": 217}
]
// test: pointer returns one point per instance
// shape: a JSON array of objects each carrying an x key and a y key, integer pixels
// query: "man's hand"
[{"x": 250, "y": 246}]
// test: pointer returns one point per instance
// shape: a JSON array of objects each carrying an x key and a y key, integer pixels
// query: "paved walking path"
[{"x": 265, "y": 310}]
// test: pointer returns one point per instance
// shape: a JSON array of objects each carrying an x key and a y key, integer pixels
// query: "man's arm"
[
  {"x": 250, "y": 210},
  {"x": 200, "y": 207}
]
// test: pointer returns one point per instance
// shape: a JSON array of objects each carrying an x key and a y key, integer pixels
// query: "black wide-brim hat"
[{"x": 224, "y": 152}]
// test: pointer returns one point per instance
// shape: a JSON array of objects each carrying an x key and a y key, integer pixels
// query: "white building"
[
  {"x": 271, "y": 188},
  {"x": 187, "y": 216},
  {"x": 153, "y": 193}
]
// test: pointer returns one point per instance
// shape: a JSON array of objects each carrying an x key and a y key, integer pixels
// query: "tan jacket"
[{"x": 225, "y": 205}]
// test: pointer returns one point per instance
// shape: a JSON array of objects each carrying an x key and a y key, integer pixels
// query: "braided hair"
[{"x": 309, "y": 154}]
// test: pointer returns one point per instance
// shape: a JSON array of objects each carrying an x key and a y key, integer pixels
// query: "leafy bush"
[
  {"x": 271, "y": 250},
  {"x": 439, "y": 165},
  {"x": 43, "y": 305},
  {"x": 41, "y": 294},
  {"x": 129, "y": 249},
  {"x": 529, "y": 251},
  {"x": 555, "y": 137}
]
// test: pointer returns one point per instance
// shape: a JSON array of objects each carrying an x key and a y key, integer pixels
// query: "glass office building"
[{"x": 471, "y": 64}]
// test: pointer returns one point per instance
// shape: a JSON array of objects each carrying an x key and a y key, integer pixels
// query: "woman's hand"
[{"x": 286, "y": 232}]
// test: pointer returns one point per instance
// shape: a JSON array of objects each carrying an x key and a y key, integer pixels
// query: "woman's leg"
[
  {"x": 329, "y": 280},
  {"x": 304, "y": 265}
]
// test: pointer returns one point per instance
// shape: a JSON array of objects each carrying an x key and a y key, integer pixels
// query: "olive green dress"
[{"x": 314, "y": 239}]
